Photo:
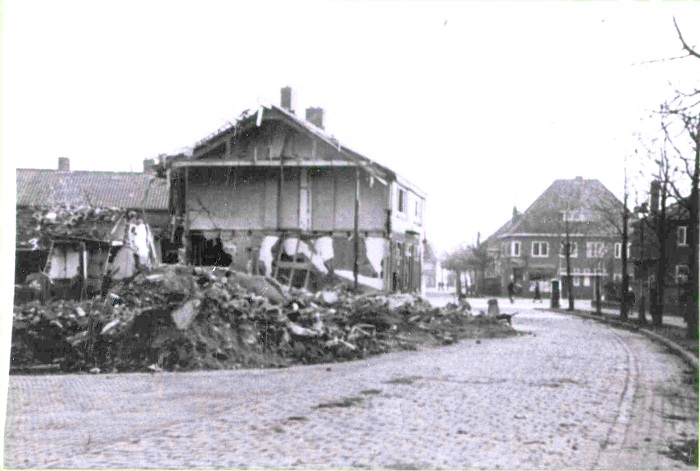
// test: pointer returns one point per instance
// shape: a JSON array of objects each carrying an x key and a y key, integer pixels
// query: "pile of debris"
[{"x": 180, "y": 318}]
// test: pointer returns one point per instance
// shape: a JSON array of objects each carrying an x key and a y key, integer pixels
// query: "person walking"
[
  {"x": 511, "y": 291},
  {"x": 538, "y": 295}
]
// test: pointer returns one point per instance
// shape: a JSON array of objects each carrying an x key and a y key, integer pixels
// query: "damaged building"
[
  {"x": 76, "y": 227},
  {"x": 275, "y": 194}
]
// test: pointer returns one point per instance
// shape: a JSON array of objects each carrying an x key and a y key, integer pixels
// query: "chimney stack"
[
  {"x": 315, "y": 116},
  {"x": 63, "y": 164},
  {"x": 288, "y": 99},
  {"x": 654, "y": 199},
  {"x": 149, "y": 166}
]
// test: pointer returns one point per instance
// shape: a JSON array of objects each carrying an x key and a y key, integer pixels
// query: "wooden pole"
[
  {"x": 356, "y": 235},
  {"x": 187, "y": 239}
]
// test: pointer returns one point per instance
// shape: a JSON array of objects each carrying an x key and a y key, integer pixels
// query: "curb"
[{"x": 671, "y": 345}]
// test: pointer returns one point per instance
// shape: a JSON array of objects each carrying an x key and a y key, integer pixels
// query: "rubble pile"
[
  {"x": 36, "y": 227},
  {"x": 180, "y": 318}
]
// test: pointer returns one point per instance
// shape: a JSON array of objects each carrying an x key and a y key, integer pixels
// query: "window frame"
[
  {"x": 599, "y": 249},
  {"x": 684, "y": 231},
  {"x": 617, "y": 250},
  {"x": 401, "y": 201},
  {"x": 574, "y": 251},
  {"x": 678, "y": 274},
  {"x": 540, "y": 244},
  {"x": 513, "y": 244}
]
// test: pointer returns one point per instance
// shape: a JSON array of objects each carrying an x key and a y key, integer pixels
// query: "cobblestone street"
[{"x": 569, "y": 393}]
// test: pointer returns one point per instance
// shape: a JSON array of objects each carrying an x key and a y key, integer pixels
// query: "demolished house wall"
[
  {"x": 237, "y": 206},
  {"x": 288, "y": 199}
]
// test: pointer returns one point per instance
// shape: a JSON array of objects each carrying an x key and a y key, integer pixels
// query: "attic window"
[{"x": 576, "y": 215}]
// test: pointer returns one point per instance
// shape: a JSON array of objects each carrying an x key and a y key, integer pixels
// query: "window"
[
  {"x": 419, "y": 211},
  {"x": 402, "y": 201},
  {"x": 629, "y": 250},
  {"x": 540, "y": 249},
  {"x": 577, "y": 215},
  {"x": 618, "y": 250},
  {"x": 682, "y": 235},
  {"x": 515, "y": 249},
  {"x": 577, "y": 280},
  {"x": 595, "y": 249},
  {"x": 682, "y": 273},
  {"x": 617, "y": 277},
  {"x": 586, "y": 281},
  {"x": 573, "y": 249}
]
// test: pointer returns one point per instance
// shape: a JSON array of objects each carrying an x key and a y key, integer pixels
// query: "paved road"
[{"x": 570, "y": 393}]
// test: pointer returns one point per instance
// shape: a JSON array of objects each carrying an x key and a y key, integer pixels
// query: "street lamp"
[{"x": 642, "y": 210}]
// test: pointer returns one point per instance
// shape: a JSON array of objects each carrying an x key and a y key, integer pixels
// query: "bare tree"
[
  {"x": 617, "y": 217},
  {"x": 679, "y": 172},
  {"x": 456, "y": 261}
]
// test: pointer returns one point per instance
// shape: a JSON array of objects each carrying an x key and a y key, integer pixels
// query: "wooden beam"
[
  {"x": 356, "y": 229},
  {"x": 262, "y": 163}
]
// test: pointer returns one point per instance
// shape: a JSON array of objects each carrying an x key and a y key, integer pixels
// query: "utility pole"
[
  {"x": 569, "y": 284},
  {"x": 642, "y": 295},
  {"x": 356, "y": 234}
]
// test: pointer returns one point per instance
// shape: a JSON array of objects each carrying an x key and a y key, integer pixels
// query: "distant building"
[
  {"x": 431, "y": 267},
  {"x": 529, "y": 248}
]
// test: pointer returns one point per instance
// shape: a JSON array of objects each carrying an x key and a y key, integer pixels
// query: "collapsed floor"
[{"x": 180, "y": 318}]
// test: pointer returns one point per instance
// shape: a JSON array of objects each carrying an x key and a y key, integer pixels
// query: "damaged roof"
[
  {"x": 588, "y": 199},
  {"x": 374, "y": 168},
  {"x": 43, "y": 187}
]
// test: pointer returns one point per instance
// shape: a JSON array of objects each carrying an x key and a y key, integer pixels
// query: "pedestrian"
[
  {"x": 538, "y": 295},
  {"x": 511, "y": 291}
]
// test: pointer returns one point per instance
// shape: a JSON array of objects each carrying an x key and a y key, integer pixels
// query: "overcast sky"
[{"x": 482, "y": 105}]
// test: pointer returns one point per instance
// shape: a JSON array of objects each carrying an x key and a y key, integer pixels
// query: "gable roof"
[
  {"x": 373, "y": 168},
  {"x": 42, "y": 187},
  {"x": 545, "y": 214}
]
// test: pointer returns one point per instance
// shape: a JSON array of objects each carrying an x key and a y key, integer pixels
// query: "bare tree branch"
[{"x": 690, "y": 50}]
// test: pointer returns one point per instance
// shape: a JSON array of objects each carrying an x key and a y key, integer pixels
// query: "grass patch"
[
  {"x": 344, "y": 402},
  {"x": 371, "y": 392},
  {"x": 297, "y": 418},
  {"x": 403, "y": 380}
]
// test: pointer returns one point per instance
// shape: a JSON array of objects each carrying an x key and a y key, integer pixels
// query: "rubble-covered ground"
[{"x": 180, "y": 318}]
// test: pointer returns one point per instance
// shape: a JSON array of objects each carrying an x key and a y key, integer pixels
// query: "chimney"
[
  {"x": 654, "y": 199},
  {"x": 63, "y": 164},
  {"x": 516, "y": 214},
  {"x": 288, "y": 99},
  {"x": 149, "y": 166},
  {"x": 315, "y": 116}
]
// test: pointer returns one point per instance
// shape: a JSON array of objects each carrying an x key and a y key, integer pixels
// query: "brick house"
[
  {"x": 678, "y": 253},
  {"x": 528, "y": 248},
  {"x": 275, "y": 194}
]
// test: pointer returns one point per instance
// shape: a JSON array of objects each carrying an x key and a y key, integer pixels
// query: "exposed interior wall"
[{"x": 226, "y": 198}]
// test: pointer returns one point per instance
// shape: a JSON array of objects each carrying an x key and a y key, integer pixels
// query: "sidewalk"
[
  {"x": 673, "y": 329},
  {"x": 633, "y": 316}
]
